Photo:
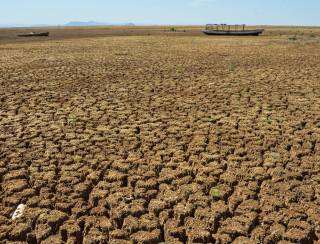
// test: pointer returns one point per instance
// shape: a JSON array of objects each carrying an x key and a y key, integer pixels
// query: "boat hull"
[
  {"x": 34, "y": 34},
  {"x": 233, "y": 33}
]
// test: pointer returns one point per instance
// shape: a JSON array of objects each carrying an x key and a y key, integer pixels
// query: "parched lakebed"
[{"x": 156, "y": 139}]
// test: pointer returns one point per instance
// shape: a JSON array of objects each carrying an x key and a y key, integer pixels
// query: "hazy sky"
[{"x": 276, "y": 12}]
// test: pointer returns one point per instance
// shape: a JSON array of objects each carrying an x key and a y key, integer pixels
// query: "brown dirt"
[
  {"x": 149, "y": 139},
  {"x": 9, "y": 35}
]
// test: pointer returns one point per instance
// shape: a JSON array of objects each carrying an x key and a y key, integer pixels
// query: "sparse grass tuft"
[
  {"x": 299, "y": 33},
  {"x": 215, "y": 192},
  {"x": 293, "y": 38},
  {"x": 269, "y": 120},
  {"x": 77, "y": 158},
  {"x": 72, "y": 119},
  {"x": 232, "y": 67},
  {"x": 214, "y": 118},
  {"x": 312, "y": 35}
]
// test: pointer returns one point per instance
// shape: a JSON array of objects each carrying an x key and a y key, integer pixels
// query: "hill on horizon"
[{"x": 70, "y": 24}]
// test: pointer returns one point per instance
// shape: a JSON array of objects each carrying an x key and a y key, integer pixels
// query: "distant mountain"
[
  {"x": 72, "y": 23},
  {"x": 93, "y": 23}
]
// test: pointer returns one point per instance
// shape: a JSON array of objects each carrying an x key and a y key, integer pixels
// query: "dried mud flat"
[{"x": 160, "y": 139}]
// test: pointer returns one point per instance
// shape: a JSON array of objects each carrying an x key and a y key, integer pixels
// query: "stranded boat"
[
  {"x": 230, "y": 30},
  {"x": 31, "y": 34}
]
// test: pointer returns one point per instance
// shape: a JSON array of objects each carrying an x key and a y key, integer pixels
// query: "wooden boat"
[
  {"x": 31, "y": 34},
  {"x": 230, "y": 30}
]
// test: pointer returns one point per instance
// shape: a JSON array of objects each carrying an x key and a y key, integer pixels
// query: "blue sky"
[{"x": 175, "y": 12}]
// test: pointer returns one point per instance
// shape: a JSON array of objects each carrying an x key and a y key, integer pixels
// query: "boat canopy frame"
[{"x": 225, "y": 27}]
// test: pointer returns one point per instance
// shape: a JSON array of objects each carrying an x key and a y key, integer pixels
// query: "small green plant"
[
  {"x": 269, "y": 120},
  {"x": 232, "y": 67},
  {"x": 215, "y": 192},
  {"x": 312, "y": 35},
  {"x": 214, "y": 118},
  {"x": 301, "y": 33},
  {"x": 293, "y": 38},
  {"x": 72, "y": 119},
  {"x": 172, "y": 29},
  {"x": 77, "y": 158}
]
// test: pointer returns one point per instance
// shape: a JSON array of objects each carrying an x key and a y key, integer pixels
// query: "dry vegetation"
[{"x": 146, "y": 139}]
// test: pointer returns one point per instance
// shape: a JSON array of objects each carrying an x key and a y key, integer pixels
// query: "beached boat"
[
  {"x": 31, "y": 34},
  {"x": 230, "y": 30}
]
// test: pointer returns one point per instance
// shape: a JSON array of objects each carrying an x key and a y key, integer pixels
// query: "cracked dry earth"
[{"x": 160, "y": 139}]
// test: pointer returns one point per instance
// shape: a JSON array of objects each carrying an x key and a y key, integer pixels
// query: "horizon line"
[{"x": 140, "y": 25}]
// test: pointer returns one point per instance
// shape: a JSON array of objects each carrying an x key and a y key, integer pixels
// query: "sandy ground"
[
  {"x": 168, "y": 137},
  {"x": 9, "y": 35}
]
